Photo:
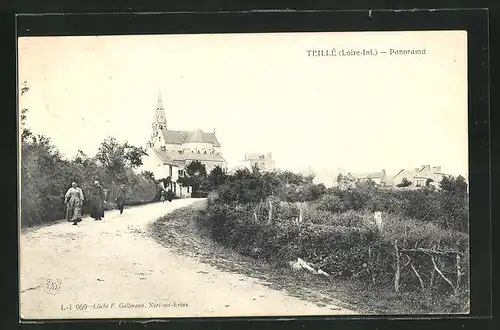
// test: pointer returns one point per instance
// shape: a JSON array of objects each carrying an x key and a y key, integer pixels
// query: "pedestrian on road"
[
  {"x": 121, "y": 198},
  {"x": 74, "y": 201},
  {"x": 97, "y": 201}
]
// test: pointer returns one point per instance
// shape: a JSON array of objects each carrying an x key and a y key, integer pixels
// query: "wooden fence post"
[
  {"x": 398, "y": 270},
  {"x": 270, "y": 211}
]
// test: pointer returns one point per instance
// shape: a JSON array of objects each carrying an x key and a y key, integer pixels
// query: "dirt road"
[{"x": 112, "y": 269}]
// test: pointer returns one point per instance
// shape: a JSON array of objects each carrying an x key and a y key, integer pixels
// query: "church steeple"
[
  {"x": 159, "y": 123},
  {"x": 160, "y": 118}
]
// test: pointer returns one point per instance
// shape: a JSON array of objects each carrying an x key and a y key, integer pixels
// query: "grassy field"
[{"x": 180, "y": 231}]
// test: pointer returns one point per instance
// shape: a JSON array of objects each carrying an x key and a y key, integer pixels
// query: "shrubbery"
[
  {"x": 46, "y": 176},
  {"x": 422, "y": 246}
]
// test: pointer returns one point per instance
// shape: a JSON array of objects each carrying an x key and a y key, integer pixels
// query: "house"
[
  {"x": 164, "y": 167},
  {"x": 379, "y": 178},
  {"x": 420, "y": 176}
]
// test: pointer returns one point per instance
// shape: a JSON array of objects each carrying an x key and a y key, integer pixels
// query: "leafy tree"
[
  {"x": 404, "y": 183},
  {"x": 196, "y": 169},
  {"x": 215, "y": 178},
  {"x": 116, "y": 157},
  {"x": 455, "y": 185},
  {"x": 25, "y": 131},
  {"x": 290, "y": 178},
  {"x": 345, "y": 181},
  {"x": 196, "y": 174},
  {"x": 455, "y": 202},
  {"x": 133, "y": 155},
  {"x": 149, "y": 175},
  {"x": 428, "y": 182}
]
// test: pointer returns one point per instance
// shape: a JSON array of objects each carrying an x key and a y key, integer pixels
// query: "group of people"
[{"x": 97, "y": 199}]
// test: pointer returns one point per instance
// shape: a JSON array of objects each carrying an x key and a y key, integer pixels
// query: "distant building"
[
  {"x": 419, "y": 176},
  {"x": 379, "y": 178},
  {"x": 170, "y": 151},
  {"x": 264, "y": 162},
  {"x": 183, "y": 147}
]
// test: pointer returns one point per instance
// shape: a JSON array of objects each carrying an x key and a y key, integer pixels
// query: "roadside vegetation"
[
  {"x": 46, "y": 174},
  {"x": 416, "y": 256}
]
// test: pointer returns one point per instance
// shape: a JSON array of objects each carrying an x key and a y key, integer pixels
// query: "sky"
[{"x": 261, "y": 93}]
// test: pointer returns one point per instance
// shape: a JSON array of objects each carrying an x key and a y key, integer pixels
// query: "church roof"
[
  {"x": 196, "y": 136},
  {"x": 180, "y": 158},
  {"x": 165, "y": 157}
]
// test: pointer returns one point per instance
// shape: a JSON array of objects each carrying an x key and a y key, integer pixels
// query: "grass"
[{"x": 180, "y": 232}]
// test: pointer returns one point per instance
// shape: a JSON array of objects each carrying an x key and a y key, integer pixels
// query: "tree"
[
  {"x": 133, "y": 155},
  {"x": 216, "y": 178},
  {"x": 404, "y": 183},
  {"x": 196, "y": 169},
  {"x": 345, "y": 181},
  {"x": 454, "y": 200},
  {"x": 149, "y": 175},
  {"x": 25, "y": 131},
  {"x": 116, "y": 157},
  {"x": 454, "y": 185},
  {"x": 428, "y": 182},
  {"x": 196, "y": 174}
]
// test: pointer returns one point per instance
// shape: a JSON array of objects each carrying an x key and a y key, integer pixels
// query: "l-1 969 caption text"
[{"x": 121, "y": 305}]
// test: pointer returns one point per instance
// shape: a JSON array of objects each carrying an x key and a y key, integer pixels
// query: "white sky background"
[{"x": 261, "y": 92}]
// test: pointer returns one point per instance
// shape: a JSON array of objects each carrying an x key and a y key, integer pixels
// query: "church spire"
[
  {"x": 160, "y": 117},
  {"x": 159, "y": 104}
]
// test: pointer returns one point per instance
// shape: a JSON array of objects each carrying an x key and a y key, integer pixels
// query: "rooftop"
[{"x": 194, "y": 136}]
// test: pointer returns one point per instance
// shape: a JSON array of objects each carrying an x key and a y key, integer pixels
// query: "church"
[{"x": 171, "y": 151}]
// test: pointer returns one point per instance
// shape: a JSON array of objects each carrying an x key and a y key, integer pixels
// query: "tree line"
[{"x": 46, "y": 174}]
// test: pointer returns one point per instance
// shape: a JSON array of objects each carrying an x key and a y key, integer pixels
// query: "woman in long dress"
[
  {"x": 74, "y": 200},
  {"x": 97, "y": 200}
]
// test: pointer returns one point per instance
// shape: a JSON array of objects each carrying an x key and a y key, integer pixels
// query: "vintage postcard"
[{"x": 229, "y": 175}]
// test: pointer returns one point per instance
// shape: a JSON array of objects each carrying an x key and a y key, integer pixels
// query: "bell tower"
[{"x": 159, "y": 122}]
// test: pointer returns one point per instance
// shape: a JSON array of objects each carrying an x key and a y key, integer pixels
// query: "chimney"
[
  {"x": 417, "y": 169},
  {"x": 428, "y": 167}
]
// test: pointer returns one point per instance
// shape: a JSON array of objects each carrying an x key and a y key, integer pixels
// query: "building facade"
[
  {"x": 162, "y": 167},
  {"x": 420, "y": 176},
  {"x": 379, "y": 178},
  {"x": 264, "y": 162},
  {"x": 171, "y": 151}
]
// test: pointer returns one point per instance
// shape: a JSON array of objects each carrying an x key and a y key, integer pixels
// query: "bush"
[
  {"x": 335, "y": 229},
  {"x": 346, "y": 244},
  {"x": 46, "y": 176}
]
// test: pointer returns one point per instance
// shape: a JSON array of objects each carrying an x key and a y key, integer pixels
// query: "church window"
[{"x": 205, "y": 152}]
